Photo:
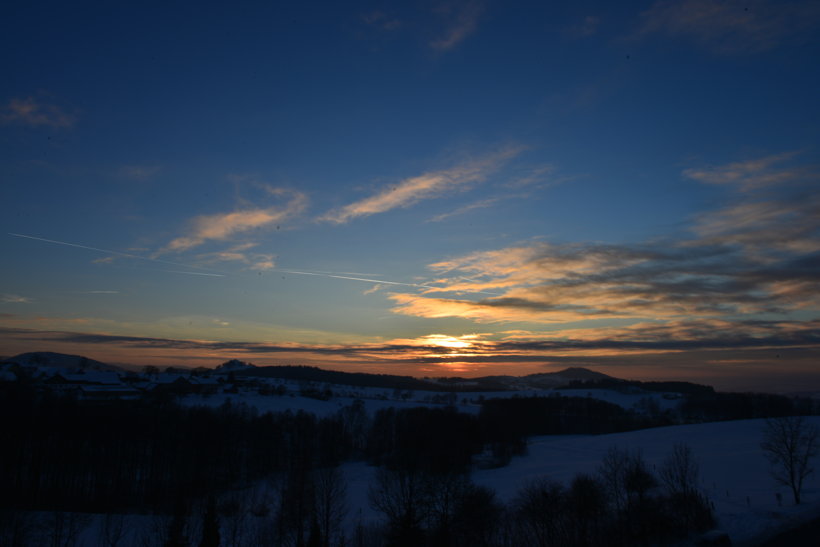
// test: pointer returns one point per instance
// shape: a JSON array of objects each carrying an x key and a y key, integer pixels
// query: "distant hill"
[
  {"x": 360, "y": 379},
  {"x": 548, "y": 380},
  {"x": 234, "y": 365},
  {"x": 574, "y": 377},
  {"x": 57, "y": 360},
  {"x": 542, "y": 380}
]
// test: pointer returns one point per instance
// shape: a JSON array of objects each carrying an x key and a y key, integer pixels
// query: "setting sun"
[{"x": 447, "y": 341}]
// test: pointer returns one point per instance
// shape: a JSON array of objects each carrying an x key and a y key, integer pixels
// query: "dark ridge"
[
  {"x": 361, "y": 379},
  {"x": 574, "y": 373},
  {"x": 58, "y": 360},
  {"x": 614, "y": 384}
]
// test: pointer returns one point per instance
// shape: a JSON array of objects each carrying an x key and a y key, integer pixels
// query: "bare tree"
[
  {"x": 113, "y": 529},
  {"x": 680, "y": 476},
  {"x": 16, "y": 528},
  {"x": 403, "y": 496},
  {"x": 541, "y": 509},
  {"x": 679, "y": 472},
  {"x": 331, "y": 503},
  {"x": 64, "y": 528},
  {"x": 790, "y": 444}
]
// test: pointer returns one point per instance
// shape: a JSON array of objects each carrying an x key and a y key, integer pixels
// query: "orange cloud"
[
  {"x": 462, "y": 20},
  {"x": 731, "y": 27},
  {"x": 29, "y": 111},
  {"x": 754, "y": 256},
  {"x": 414, "y": 189},
  {"x": 222, "y": 226}
]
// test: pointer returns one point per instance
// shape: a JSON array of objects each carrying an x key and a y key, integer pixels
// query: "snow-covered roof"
[
  {"x": 123, "y": 389},
  {"x": 168, "y": 378},
  {"x": 204, "y": 381},
  {"x": 101, "y": 377},
  {"x": 7, "y": 376}
]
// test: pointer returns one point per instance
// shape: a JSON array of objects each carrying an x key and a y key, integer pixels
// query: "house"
[
  {"x": 107, "y": 393},
  {"x": 170, "y": 382},
  {"x": 205, "y": 385},
  {"x": 90, "y": 385}
]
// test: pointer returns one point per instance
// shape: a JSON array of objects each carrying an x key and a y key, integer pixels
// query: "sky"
[{"x": 431, "y": 188}]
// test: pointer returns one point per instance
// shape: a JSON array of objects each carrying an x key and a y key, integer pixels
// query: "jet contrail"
[
  {"x": 382, "y": 281},
  {"x": 295, "y": 272},
  {"x": 194, "y": 273},
  {"x": 120, "y": 253}
]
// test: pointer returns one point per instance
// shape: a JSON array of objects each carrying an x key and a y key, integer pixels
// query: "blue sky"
[{"x": 428, "y": 188}]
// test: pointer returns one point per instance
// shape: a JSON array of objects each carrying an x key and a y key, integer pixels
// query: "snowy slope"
[
  {"x": 377, "y": 398},
  {"x": 734, "y": 473}
]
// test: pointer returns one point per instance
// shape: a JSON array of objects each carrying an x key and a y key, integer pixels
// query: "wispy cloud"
[
  {"x": 429, "y": 185},
  {"x": 223, "y": 226},
  {"x": 588, "y": 26},
  {"x": 756, "y": 256},
  {"x": 779, "y": 209},
  {"x": 14, "y": 299},
  {"x": 241, "y": 253},
  {"x": 481, "y": 204},
  {"x": 534, "y": 177},
  {"x": 382, "y": 21},
  {"x": 104, "y": 260},
  {"x": 138, "y": 172},
  {"x": 672, "y": 337},
  {"x": 732, "y": 26},
  {"x": 461, "y": 20},
  {"x": 30, "y": 111},
  {"x": 751, "y": 174}
]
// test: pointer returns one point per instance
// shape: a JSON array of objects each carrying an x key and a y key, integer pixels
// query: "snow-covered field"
[
  {"x": 375, "y": 399},
  {"x": 734, "y": 472}
]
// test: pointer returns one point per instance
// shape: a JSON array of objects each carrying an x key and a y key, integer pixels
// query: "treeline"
[
  {"x": 718, "y": 406},
  {"x": 359, "y": 379},
  {"x": 155, "y": 456},
  {"x": 687, "y": 388},
  {"x": 61, "y": 454},
  {"x": 702, "y": 403},
  {"x": 623, "y": 504}
]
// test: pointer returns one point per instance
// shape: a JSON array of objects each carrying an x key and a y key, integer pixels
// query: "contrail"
[
  {"x": 295, "y": 272},
  {"x": 120, "y": 253},
  {"x": 382, "y": 281},
  {"x": 194, "y": 273}
]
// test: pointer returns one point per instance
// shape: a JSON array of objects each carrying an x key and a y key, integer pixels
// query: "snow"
[
  {"x": 378, "y": 398},
  {"x": 101, "y": 377},
  {"x": 734, "y": 471}
]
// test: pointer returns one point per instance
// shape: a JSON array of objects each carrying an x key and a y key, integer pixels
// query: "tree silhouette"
[{"x": 790, "y": 444}]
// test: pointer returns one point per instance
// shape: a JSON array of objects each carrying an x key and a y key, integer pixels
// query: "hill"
[
  {"x": 48, "y": 359},
  {"x": 359, "y": 379}
]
